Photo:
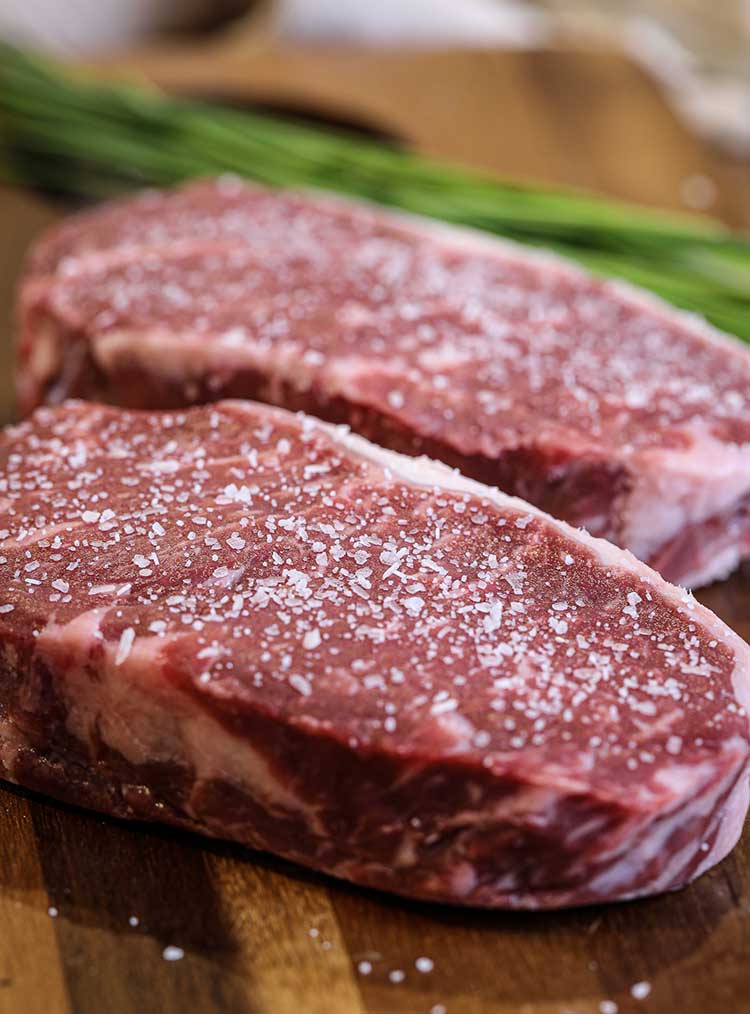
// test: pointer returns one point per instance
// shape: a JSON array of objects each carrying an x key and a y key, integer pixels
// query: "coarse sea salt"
[
  {"x": 311, "y": 639},
  {"x": 300, "y": 684},
  {"x": 640, "y": 990}
]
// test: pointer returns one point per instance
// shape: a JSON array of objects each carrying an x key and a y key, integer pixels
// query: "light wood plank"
[{"x": 31, "y": 977}]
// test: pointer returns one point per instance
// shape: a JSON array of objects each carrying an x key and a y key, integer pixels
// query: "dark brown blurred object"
[{"x": 23, "y": 216}]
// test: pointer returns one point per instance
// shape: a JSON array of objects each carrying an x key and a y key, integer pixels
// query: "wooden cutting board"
[{"x": 88, "y": 906}]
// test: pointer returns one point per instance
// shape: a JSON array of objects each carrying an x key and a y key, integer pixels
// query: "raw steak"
[
  {"x": 257, "y": 626},
  {"x": 595, "y": 402}
]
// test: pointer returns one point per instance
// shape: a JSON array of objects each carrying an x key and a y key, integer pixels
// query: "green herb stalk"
[{"x": 77, "y": 137}]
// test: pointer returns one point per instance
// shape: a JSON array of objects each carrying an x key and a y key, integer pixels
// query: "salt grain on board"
[
  {"x": 172, "y": 953},
  {"x": 424, "y": 964},
  {"x": 640, "y": 990}
]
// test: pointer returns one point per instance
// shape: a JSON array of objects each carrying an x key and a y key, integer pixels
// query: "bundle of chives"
[{"x": 78, "y": 137}]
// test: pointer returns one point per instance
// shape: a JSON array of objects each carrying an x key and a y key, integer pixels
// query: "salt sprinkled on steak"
[
  {"x": 594, "y": 401},
  {"x": 363, "y": 662}
]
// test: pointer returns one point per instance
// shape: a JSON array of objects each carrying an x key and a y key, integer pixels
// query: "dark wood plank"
[
  {"x": 98, "y": 875},
  {"x": 287, "y": 934}
]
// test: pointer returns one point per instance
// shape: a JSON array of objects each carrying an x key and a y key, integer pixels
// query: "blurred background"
[
  {"x": 647, "y": 100},
  {"x": 699, "y": 50}
]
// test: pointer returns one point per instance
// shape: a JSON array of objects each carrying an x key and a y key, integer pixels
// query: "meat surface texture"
[
  {"x": 258, "y": 626},
  {"x": 593, "y": 401}
]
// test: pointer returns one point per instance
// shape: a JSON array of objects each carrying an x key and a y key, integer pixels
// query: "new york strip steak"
[
  {"x": 596, "y": 402},
  {"x": 257, "y": 626}
]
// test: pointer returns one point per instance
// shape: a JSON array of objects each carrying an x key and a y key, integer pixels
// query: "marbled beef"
[{"x": 260, "y": 627}]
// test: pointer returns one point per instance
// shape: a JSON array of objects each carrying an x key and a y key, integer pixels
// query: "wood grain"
[
  {"x": 30, "y": 962},
  {"x": 262, "y": 937},
  {"x": 245, "y": 922}
]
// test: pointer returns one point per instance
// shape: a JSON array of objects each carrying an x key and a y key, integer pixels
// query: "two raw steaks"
[
  {"x": 596, "y": 403},
  {"x": 262, "y": 628}
]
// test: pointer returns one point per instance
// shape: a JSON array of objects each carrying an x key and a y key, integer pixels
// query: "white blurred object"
[
  {"x": 699, "y": 50},
  {"x": 714, "y": 100},
  {"x": 510, "y": 23},
  {"x": 81, "y": 26}
]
